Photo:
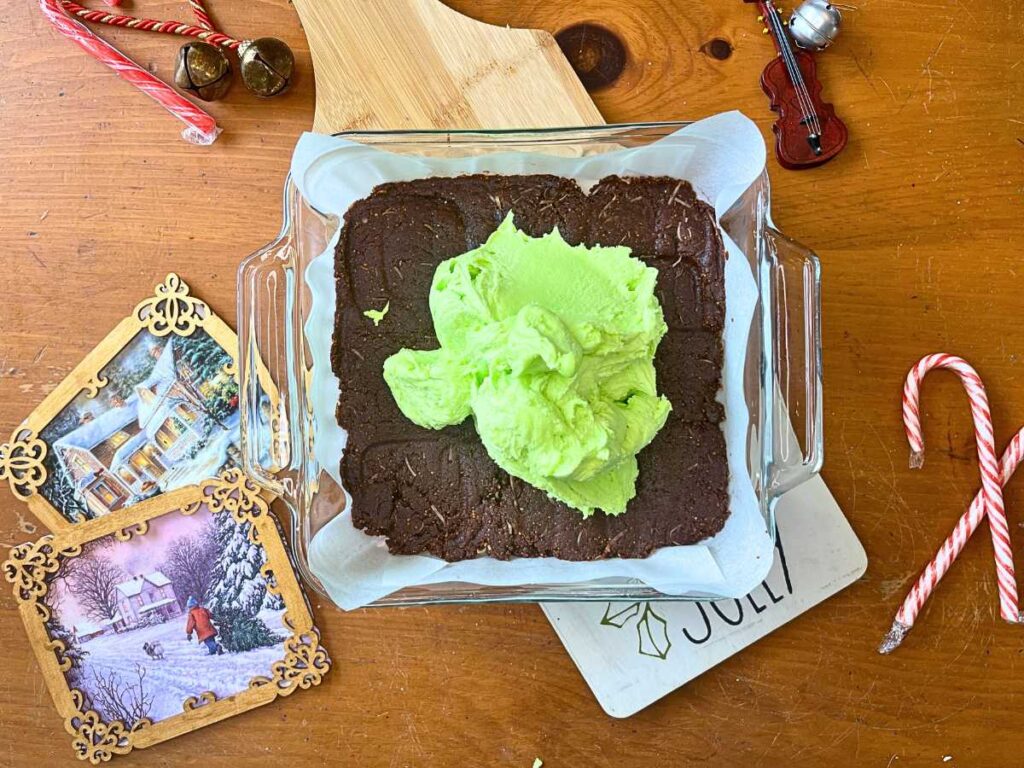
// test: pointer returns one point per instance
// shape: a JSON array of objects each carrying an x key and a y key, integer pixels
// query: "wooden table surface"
[{"x": 918, "y": 226}]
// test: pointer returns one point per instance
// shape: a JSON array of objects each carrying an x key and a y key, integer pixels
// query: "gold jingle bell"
[
  {"x": 203, "y": 70},
  {"x": 267, "y": 65}
]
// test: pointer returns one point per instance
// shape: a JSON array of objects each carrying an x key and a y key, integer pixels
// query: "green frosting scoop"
[{"x": 550, "y": 347}]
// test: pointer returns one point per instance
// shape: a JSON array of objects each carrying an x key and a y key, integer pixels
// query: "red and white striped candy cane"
[
  {"x": 201, "y": 14},
  {"x": 1012, "y": 458},
  {"x": 989, "y": 500},
  {"x": 201, "y": 128},
  {"x": 203, "y": 30}
]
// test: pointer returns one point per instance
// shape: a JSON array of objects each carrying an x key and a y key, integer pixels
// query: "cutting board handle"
[{"x": 419, "y": 64}]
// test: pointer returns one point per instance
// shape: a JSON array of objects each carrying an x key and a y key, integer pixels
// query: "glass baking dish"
[{"x": 782, "y": 380}]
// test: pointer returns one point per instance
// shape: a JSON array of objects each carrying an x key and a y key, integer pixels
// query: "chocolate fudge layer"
[{"x": 437, "y": 491}]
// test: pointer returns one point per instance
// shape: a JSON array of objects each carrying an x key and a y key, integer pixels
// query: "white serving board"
[{"x": 632, "y": 654}]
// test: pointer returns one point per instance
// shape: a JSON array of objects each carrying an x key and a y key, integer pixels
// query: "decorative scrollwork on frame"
[
  {"x": 171, "y": 309},
  {"x": 21, "y": 462},
  {"x": 191, "y": 509},
  {"x": 237, "y": 494},
  {"x": 95, "y": 740},
  {"x": 92, "y": 387},
  {"x": 42, "y": 611},
  {"x": 193, "y": 702},
  {"x": 29, "y": 565},
  {"x": 286, "y": 619},
  {"x": 304, "y": 665},
  {"x": 139, "y": 529},
  {"x": 267, "y": 571},
  {"x": 58, "y": 648}
]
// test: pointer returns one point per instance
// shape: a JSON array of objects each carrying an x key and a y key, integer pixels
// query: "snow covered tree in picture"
[
  {"x": 236, "y": 575},
  {"x": 238, "y": 632},
  {"x": 122, "y": 382},
  {"x": 239, "y": 590},
  {"x": 72, "y": 648},
  {"x": 203, "y": 362},
  {"x": 60, "y": 491},
  {"x": 58, "y": 488},
  {"x": 55, "y": 627}
]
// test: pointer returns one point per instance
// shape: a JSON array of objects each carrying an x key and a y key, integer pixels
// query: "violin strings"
[
  {"x": 792, "y": 65},
  {"x": 799, "y": 87},
  {"x": 803, "y": 97},
  {"x": 794, "y": 74}
]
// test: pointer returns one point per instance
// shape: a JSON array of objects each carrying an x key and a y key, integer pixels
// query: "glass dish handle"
[
  {"x": 262, "y": 370},
  {"x": 795, "y": 283}
]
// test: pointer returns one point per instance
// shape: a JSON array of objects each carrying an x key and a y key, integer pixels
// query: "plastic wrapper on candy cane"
[
  {"x": 201, "y": 128},
  {"x": 989, "y": 500}
]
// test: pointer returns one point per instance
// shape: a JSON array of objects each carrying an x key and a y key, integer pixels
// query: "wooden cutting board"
[{"x": 419, "y": 64}]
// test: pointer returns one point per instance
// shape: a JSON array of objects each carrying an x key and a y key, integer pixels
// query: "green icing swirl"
[{"x": 550, "y": 347}]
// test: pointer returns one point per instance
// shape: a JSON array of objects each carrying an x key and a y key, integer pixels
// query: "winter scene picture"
[
  {"x": 167, "y": 417},
  {"x": 172, "y": 613}
]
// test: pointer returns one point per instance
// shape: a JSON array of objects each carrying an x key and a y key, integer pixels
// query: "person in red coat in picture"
[{"x": 201, "y": 622}]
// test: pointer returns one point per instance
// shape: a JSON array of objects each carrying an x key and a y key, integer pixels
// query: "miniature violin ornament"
[{"x": 807, "y": 131}]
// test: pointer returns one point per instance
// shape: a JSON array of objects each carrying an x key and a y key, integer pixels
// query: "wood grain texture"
[
  {"x": 918, "y": 226},
  {"x": 421, "y": 64}
]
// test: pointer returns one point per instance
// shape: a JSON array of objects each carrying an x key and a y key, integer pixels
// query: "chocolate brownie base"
[{"x": 438, "y": 492}]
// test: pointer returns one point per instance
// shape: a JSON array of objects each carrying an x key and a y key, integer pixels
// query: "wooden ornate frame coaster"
[
  {"x": 61, "y": 579},
  {"x": 153, "y": 407}
]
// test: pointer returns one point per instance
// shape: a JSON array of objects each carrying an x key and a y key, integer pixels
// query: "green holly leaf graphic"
[
  {"x": 652, "y": 630},
  {"x": 618, "y": 618}
]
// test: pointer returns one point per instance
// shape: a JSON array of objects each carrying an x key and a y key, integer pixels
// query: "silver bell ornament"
[{"x": 815, "y": 24}]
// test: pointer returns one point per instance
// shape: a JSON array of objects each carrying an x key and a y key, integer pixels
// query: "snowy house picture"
[
  {"x": 146, "y": 596},
  {"x": 161, "y": 436},
  {"x": 120, "y": 610}
]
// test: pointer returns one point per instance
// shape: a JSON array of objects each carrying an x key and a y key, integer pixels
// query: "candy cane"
[
  {"x": 1011, "y": 459},
  {"x": 201, "y": 14},
  {"x": 988, "y": 501},
  {"x": 201, "y": 128},
  {"x": 202, "y": 30}
]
